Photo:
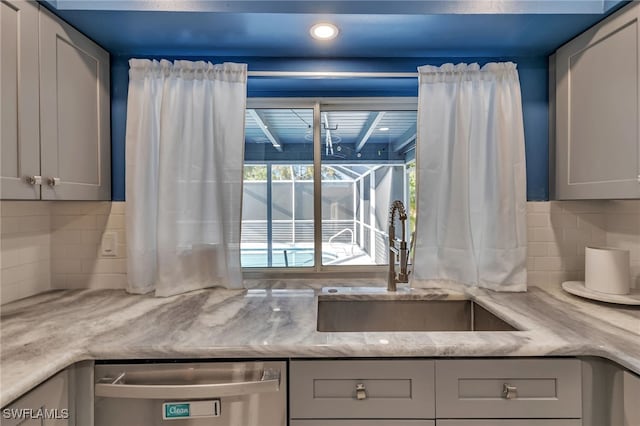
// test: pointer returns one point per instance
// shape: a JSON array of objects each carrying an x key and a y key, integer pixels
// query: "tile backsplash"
[
  {"x": 559, "y": 231},
  {"x": 50, "y": 245},
  {"x": 77, "y": 229},
  {"x": 57, "y": 244},
  {"x": 25, "y": 253},
  {"x": 623, "y": 231}
]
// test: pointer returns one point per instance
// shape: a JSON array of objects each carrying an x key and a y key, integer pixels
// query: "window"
[
  {"x": 278, "y": 191},
  {"x": 319, "y": 179}
]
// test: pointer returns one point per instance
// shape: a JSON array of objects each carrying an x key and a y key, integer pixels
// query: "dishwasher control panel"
[{"x": 190, "y": 409}]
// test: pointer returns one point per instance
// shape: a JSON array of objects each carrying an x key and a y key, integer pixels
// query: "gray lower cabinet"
[
  {"x": 508, "y": 388},
  {"x": 494, "y": 422},
  {"x": 361, "y": 389},
  {"x": 364, "y": 423},
  {"x": 597, "y": 110},
  {"x": 610, "y": 394},
  {"x": 631, "y": 395},
  {"x": 453, "y": 392},
  {"x": 43, "y": 406}
]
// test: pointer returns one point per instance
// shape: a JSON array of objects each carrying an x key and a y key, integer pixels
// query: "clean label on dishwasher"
[{"x": 190, "y": 409}]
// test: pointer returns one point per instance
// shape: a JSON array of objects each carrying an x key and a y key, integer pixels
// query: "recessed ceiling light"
[
  {"x": 324, "y": 31},
  {"x": 384, "y": 129}
]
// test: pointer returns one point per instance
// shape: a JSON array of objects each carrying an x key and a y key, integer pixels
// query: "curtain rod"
[{"x": 331, "y": 74}]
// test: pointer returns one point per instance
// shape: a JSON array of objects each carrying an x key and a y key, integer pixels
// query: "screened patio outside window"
[{"x": 364, "y": 160}]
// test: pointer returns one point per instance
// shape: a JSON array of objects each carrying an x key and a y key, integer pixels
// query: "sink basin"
[{"x": 335, "y": 315}]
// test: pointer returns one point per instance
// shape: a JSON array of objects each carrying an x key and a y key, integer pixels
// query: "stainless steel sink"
[{"x": 336, "y": 315}]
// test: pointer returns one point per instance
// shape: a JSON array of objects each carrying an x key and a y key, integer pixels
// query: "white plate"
[{"x": 578, "y": 288}]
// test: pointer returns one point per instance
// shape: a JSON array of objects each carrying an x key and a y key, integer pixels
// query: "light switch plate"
[{"x": 109, "y": 245}]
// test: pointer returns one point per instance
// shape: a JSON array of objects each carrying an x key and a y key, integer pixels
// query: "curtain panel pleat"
[
  {"x": 184, "y": 156},
  {"x": 471, "y": 218}
]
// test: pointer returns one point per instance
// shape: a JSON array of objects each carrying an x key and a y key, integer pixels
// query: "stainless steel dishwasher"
[{"x": 191, "y": 394}]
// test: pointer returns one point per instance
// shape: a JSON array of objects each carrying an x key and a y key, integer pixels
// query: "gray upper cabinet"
[
  {"x": 55, "y": 108},
  {"x": 74, "y": 114},
  {"x": 19, "y": 95},
  {"x": 597, "y": 111}
]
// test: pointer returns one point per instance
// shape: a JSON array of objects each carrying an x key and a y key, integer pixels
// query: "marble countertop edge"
[
  {"x": 11, "y": 392},
  {"x": 47, "y": 333}
]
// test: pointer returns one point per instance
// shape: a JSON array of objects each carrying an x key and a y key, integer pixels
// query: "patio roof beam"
[
  {"x": 346, "y": 171},
  {"x": 264, "y": 126},
  {"x": 405, "y": 139},
  {"x": 368, "y": 129}
]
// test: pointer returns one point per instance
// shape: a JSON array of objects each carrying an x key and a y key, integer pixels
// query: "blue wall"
[{"x": 533, "y": 80}]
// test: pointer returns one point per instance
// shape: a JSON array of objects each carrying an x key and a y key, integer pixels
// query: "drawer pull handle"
[
  {"x": 509, "y": 392},
  {"x": 361, "y": 392}
]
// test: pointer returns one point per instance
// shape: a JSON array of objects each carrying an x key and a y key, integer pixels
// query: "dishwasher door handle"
[{"x": 270, "y": 382}]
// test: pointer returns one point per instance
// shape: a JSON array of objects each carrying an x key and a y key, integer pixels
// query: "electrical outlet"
[{"x": 109, "y": 246}]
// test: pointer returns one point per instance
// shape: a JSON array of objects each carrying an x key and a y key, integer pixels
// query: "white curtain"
[
  {"x": 471, "y": 223},
  {"x": 185, "y": 139}
]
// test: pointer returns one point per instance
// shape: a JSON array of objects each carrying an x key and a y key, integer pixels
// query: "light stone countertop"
[{"x": 43, "y": 334}]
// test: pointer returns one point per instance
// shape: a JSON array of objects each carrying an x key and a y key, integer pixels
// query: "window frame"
[{"x": 318, "y": 105}]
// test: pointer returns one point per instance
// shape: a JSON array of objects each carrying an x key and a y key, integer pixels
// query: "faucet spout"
[{"x": 398, "y": 249}]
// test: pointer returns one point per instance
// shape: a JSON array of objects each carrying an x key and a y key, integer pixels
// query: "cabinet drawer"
[
  {"x": 367, "y": 423},
  {"x": 541, "y": 388},
  {"x": 394, "y": 389},
  {"x": 523, "y": 422}
]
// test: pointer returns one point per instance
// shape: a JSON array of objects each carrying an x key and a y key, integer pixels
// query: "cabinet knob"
[
  {"x": 34, "y": 180},
  {"x": 509, "y": 392},
  {"x": 361, "y": 392},
  {"x": 53, "y": 181}
]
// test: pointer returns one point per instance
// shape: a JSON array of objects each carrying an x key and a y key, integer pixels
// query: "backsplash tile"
[
  {"x": 76, "y": 236},
  {"x": 25, "y": 254},
  {"x": 559, "y": 231},
  {"x": 47, "y": 245},
  {"x": 623, "y": 231}
]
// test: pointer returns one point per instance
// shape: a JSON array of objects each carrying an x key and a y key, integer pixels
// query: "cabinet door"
[
  {"x": 43, "y": 406},
  {"x": 631, "y": 392},
  {"x": 597, "y": 107},
  {"x": 19, "y": 109},
  {"x": 524, "y": 422},
  {"x": 74, "y": 113},
  {"x": 368, "y": 422}
]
